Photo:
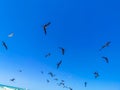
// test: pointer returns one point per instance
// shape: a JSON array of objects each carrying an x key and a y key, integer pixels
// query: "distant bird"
[
  {"x": 106, "y": 59},
  {"x": 45, "y": 27},
  {"x": 63, "y": 84},
  {"x": 10, "y": 35},
  {"x": 13, "y": 79},
  {"x": 59, "y": 63},
  {"x": 96, "y": 74},
  {"x": 56, "y": 79},
  {"x": 47, "y": 81},
  {"x": 42, "y": 72},
  {"x": 20, "y": 70},
  {"x": 62, "y": 50},
  {"x": 105, "y": 45},
  {"x": 47, "y": 55},
  {"x": 85, "y": 83},
  {"x": 51, "y": 74},
  {"x": 62, "y": 81},
  {"x": 70, "y": 88},
  {"x": 4, "y": 44}
]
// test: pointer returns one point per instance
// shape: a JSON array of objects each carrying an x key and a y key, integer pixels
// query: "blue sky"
[{"x": 80, "y": 26}]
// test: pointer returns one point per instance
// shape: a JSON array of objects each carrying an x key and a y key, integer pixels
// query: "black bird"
[
  {"x": 59, "y": 63},
  {"x": 62, "y": 81},
  {"x": 63, "y": 84},
  {"x": 85, "y": 84},
  {"x": 4, "y": 44},
  {"x": 51, "y": 74},
  {"x": 45, "y": 27},
  {"x": 106, "y": 59},
  {"x": 62, "y": 50},
  {"x": 13, "y": 79},
  {"x": 47, "y": 55},
  {"x": 105, "y": 45},
  {"x": 96, "y": 74}
]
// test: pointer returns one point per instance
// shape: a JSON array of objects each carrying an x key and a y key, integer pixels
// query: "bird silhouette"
[
  {"x": 56, "y": 79},
  {"x": 106, "y": 59},
  {"x": 51, "y": 74},
  {"x": 42, "y": 72},
  {"x": 59, "y": 63},
  {"x": 13, "y": 79},
  {"x": 105, "y": 45},
  {"x": 20, "y": 70},
  {"x": 70, "y": 88},
  {"x": 96, "y": 74},
  {"x": 45, "y": 27},
  {"x": 4, "y": 44},
  {"x": 47, "y": 81},
  {"x": 47, "y": 55},
  {"x": 62, "y": 50},
  {"x": 85, "y": 83}
]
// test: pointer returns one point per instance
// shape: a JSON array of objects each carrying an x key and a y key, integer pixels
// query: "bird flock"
[{"x": 60, "y": 82}]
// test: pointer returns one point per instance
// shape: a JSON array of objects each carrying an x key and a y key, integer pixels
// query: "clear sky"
[{"x": 80, "y": 26}]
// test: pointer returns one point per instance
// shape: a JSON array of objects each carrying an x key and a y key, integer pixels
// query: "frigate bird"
[
  {"x": 96, "y": 74},
  {"x": 105, "y": 45},
  {"x": 45, "y": 27},
  {"x": 51, "y": 74},
  {"x": 59, "y": 63},
  {"x": 106, "y": 59},
  {"x": 85, "y": 83},
  {"x": 11, "y": 35},
  {"x": 61, "y": 84},
  {"x": 4, "y": 44},
  {"x": 62, "y": 50},
  {"x": 47, "y": 55},
  {"x": 13, "y": 79}
]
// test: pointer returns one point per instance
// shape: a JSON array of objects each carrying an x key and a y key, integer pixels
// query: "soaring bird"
[
  {"x": 59, "y": 63},
  {"x": 106, "y": 59},
  {"x": 51, "y": 74},
  {"x": 70, "y": 88},
  {"x": 62, "y": 50},
  {"x": 105, "y": 45},
  {"x": 96, "y": 74},
  {"x": 85, "y": 83},
  {"x": 45, "y": 27},
  {"x": 47, "y": 55},
  {"x": 4, "y": 44},
  {"x": 13, "y": 79},
  {"x": 11, "y": 35}
]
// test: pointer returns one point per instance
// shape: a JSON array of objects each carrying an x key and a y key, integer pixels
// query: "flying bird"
[
  {"x": 4, "y": 44},
  {"x": 85, "y": 83},
  {"x": 20, "y": 70},
  {"x": 70, "y": 88},
  {"x": 96, "y": 74},
  {"x": 105, "y": 45},
  {"x": 106, "y": 59},
  {"x": 13, "y": 79},
  {"x": 59, "y": 63},
  {"x": 47, "y": 55},
  {"x": 42, "y": 72},
  {"x": 62, "y": 50},
  {"x": 51, "y": 74},
  {"x": 10, "y": 35},
  {"x": 56, "y": 79},
  {"x": 45, "y": 27},
  {"x": 47, "y": 81}
]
